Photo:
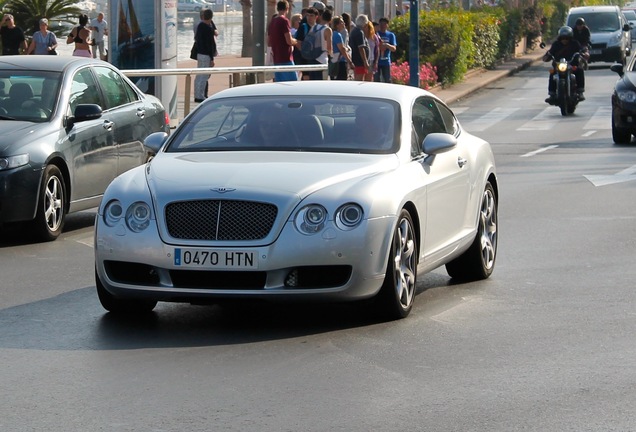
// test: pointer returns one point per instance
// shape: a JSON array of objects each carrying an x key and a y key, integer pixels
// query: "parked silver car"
[
  {"x": 309, "y": 190},
  {"x": 630, "y": 16},
  {"x": 68, "y": 127}
]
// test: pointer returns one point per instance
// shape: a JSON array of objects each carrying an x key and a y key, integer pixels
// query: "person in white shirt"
[{"x": 99, "y": 28}]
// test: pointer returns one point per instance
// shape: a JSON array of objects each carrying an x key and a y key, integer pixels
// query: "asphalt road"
[{"x": 545, "y": 344}]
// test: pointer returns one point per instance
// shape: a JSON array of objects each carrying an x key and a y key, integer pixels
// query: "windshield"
[
  {"x": 598, "y": 22},
  {"x": 29, "y": 96},
  {"x": 307, "y": 123},
  {"x": 630, "y": 15}
]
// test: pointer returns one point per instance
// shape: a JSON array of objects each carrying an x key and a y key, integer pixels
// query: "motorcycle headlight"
[
  {"x": 13, "y": 161},
  {"x": 562, "y": 66},
  {"x": 311, "y": 219},
  {"x": 627, "y": 96},
  {"x": 138, "y": 216},
  {"x": 349, "y": 216}
]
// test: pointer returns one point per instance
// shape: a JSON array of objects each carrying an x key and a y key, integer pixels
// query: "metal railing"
[{"x": 238, "y": 75}]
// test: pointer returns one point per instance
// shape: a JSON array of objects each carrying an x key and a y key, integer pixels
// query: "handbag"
[
  {"x": 53, "y": 51},
  {"x": 193, "y": 51}
]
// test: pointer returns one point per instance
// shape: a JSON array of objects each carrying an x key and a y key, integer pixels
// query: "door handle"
[
  {"x": 141, "y": 113},
  {"x": 461, "y": 162},
  {"x": 108, "y": 125}
]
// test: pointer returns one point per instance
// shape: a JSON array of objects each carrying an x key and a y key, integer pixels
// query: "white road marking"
[
  {"x": 620, "y": 177},
  {"x": 588, "y": 133},
  {"x": 541, "y": 150},
  {"x": 601, "y": 119},
  {"x": 489, "y": 119},
  {"x": 543, "y": 121}
]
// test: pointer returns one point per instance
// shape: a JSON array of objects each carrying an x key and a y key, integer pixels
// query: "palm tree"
[
  {"x": 246, "y": 49},
  {"x": 27, "y": 13}
]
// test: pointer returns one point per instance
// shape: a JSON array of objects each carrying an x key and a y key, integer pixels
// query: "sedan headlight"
[
  {"x": 13, "y": 161},
  {"x": 138, "y": 216},
  {"x": 615, "y": 39},
  {"x": 349, "y": 216},
  {"x": 627, "y": 96},
  {"x": 311, "y": 219}
]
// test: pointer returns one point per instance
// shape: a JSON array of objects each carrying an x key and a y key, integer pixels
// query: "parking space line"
[{"x": 541, "y": 150}]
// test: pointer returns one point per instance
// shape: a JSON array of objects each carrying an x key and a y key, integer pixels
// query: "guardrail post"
[{"x": 188, "y": 92}]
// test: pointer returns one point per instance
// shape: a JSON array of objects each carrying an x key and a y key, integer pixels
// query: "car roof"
[
  {"x": 588, "y": 9},
  {"x": 354, "y": 89},
  {"x": 44, "y": 62}
]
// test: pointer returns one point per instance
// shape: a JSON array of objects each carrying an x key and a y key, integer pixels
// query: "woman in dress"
[
  {"x": 374, "y": 50},
  {"x": 44, "y": 41},
  {"x": 80, "y": 36}
]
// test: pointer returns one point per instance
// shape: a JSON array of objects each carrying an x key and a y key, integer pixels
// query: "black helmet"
[
  {"x": 580, "y": 21},
  {"x": 565, "y": 32}
]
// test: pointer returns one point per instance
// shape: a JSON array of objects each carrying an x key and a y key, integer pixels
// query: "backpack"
[{"x": 311, "y": 47}]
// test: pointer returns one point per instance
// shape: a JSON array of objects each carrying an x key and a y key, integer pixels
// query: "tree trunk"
[
  {"x": 246, "y": 49},
  {"x": 367, "y": 9}
]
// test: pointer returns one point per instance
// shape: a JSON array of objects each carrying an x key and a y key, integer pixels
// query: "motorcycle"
[{"x": 567, "y": 96}]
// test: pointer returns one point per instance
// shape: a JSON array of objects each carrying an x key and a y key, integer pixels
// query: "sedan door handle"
[
  {"x": 108, "y": 125},
  {"x": 461, "y": 162},
  {"x": 141, "y": 113}
]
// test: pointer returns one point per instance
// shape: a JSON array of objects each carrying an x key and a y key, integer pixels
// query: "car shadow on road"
[
  {"x": 20, "y": 234},
  {"x": 76, "y": 321}
]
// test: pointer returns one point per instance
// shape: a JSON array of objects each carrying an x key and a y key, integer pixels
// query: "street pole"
[
  {"x": 414, "y": 45},
  {"x": 258, "y": 20}
]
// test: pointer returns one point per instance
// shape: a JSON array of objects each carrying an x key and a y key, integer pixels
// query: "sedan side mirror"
[
  {"x": 618, "y": 68},
  {"x": 155, "y": 141},
  {"x": 435, "y": 143}
]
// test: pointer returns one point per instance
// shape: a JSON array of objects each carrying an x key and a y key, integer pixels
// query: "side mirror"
[
  {"x": 618, "y": 68},
  {"x": 155, "y": 141},
  {"x": 84, "y": 112},
  {"x": 436, "y": 143},
  {"x": 542, "y": 45},
  {"x": 626, "y": 27}
]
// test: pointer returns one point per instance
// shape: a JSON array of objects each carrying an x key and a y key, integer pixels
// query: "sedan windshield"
[
  {"x": 28, "y": 96},
  {"x": 291, "y": 124}
]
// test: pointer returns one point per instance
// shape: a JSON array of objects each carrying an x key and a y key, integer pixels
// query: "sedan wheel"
[
  {"x": 478, "y": 261},
  {"x": 51, "y": 213},
  {"x": 619, "y": 135},
  {"x": 120, "y": 305},
  {"x": 395, "y": 299}
]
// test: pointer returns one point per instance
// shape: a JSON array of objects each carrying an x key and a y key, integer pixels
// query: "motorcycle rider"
[
  {"x": 582, "y": 33},
  {"x": 565, "y": 47}
]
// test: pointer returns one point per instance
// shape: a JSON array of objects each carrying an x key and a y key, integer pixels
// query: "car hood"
[
  {"x": 14, "y": 133},
  {"x": 602, "y": 37},
  {"x": 251, "y": 173},
  {"x": 628, "y": 81}
]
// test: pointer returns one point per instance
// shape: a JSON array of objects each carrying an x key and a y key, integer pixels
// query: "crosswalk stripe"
[
  {"x": 601, "y": 119},
  {"x": 545, "y": 120},
  {"x": 489, "y": 119}
]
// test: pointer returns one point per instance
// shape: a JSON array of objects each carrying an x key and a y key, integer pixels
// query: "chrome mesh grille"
[{"x": 220, "y": 220}]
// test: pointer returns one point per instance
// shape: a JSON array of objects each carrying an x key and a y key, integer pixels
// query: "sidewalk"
[{"x": 473, "y": 81}]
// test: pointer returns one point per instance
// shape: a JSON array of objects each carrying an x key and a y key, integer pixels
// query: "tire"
[
  {"x": 395, "y": 299},
  {"x": 51, "y": 208},
  {"x": 478, "y": 262},
  {"x": 620, "y": 135},
  {"x": 122, "y": 306},
  {"x": 562, "y": 96}
]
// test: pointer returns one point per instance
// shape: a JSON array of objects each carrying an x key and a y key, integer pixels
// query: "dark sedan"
[
  {"x": 624, "y": 102},
  {"x": 68, "y": 126}
]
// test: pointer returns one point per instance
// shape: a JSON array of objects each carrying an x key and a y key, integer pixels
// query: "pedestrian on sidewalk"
[
  {"x": 206, "y": 49},
  {"x": 387, "y": 46},
  {"x": 12, "y": 37},
  {"x": 282, "y": 43},
  {"x": 80, "y": 36},
  {"x": 99, "y": 29},
  {"x": 359, "y": 48}
]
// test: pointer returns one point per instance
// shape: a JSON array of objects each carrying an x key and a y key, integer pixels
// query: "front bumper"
[
  {"x": 605, "y": 54},
  {"x": 19, "y": 189},
  {"x": 331, "y": 265},
  {"x": 624, "y": 114}
]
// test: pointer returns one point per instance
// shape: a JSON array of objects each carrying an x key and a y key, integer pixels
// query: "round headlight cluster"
[
  {"x": 137, "y": 215},
  {"x": 312, "y": 218},
  {"x": 627, "y": 96}
]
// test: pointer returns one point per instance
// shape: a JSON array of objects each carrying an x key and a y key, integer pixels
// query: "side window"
[
  {"x": 116, "y": 91},
  {"x": 84, "y": 90},
  {"x": 426, "y": 119},
  {"x": 452, "y": 126}
]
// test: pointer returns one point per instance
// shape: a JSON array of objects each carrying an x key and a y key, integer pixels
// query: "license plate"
[
  {"x": 215, "y": 259},
  {"x": 596, "y": 51}
]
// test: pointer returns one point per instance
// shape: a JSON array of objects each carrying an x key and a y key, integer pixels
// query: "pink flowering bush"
[{"x": 400, "y": 74}]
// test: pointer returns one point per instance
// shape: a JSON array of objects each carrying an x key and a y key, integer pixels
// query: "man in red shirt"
[{"x": 282, "y": 42}]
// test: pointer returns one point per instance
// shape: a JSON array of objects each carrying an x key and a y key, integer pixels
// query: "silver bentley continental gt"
[{"x": 321, "y": 190}]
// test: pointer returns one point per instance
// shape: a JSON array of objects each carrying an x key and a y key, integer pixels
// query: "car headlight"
[
  {"x": 13, "y": 161},
  {"x": 113, "y": 213},
  {"x": 138, "y": 216},
  {"x": 615, "y": 39},
  {"x": 349, "y": 216},
  {"x": 627, "y": 96},
  {"x": 311, "y": 219}
]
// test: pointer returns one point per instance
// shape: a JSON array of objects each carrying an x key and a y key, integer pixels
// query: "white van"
[{"x": 611, "y": 40}]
